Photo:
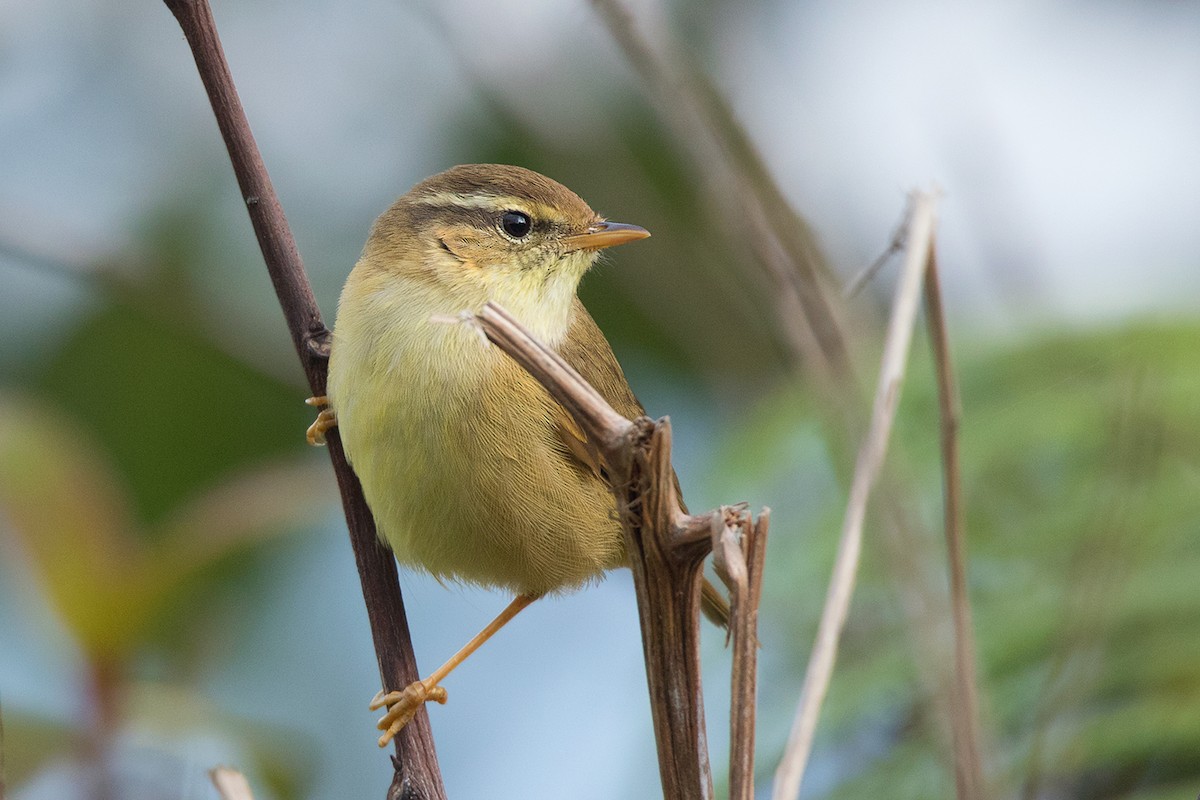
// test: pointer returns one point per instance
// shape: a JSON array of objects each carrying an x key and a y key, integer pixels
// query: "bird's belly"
[{"x": 473, "y": 489}]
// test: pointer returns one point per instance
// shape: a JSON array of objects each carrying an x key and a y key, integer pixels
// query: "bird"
[{"x": 472, "y": 471}]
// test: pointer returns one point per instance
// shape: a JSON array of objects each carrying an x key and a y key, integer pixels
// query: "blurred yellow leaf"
[
  {"x": 71, "y": 516},
  {"x": 29, "y": 743},
  {"x": 68, "y": 512}
]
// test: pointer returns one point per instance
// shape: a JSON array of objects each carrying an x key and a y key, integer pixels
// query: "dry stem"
[
  {"x": 739, "y": 551},
  {"x": 808, "y": 317},
  {"x": 416, "y": 768},
  {"x": 726, "y": 157},
  {"x": 964, "y": 717},
  {"x": 790, "y": 773},
  {"x": 666, "y": 549}
]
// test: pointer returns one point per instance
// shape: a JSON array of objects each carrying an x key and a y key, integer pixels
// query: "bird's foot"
[
  {"x": 325, "y": 420},
  {"x": 402, "y": 706}
]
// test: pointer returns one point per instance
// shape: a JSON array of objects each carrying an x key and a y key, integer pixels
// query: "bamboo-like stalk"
[{"x": 810, "y": 320}]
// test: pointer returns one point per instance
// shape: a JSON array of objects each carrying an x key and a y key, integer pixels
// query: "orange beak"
[{"x": 605, "y": 234}]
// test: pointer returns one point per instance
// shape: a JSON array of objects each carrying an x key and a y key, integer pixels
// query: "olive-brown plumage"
[
  {"x": 461, "y": 454},
  {"x": 472, "y": 470}
]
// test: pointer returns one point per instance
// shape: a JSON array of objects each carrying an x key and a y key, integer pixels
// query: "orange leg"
[
  {"x": 325, "y": 420},
  {"x": 403, "y": 705}
]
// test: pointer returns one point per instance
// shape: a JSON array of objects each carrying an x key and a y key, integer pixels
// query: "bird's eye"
[{"x": 515, "y": 224}]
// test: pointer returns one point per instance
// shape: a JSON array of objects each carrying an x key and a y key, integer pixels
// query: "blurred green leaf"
[
  {"x": 70, "y": 516},
  {"x": 1081, "y": 459},
  {"x": 277, "y": 760},
  {"x": 107, "y": 582},
  {"x": 172, "y": 410},
  {"x": 30, "y": 743}
]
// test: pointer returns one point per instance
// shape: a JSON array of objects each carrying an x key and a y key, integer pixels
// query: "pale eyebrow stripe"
[{"x": 489, "y": 202}]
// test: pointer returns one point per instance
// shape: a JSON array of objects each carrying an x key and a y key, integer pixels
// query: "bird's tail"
[{"x": 714, "y": 605}]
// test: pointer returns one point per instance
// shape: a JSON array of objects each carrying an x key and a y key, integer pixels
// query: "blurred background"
[{"x": 176, "y": 585}]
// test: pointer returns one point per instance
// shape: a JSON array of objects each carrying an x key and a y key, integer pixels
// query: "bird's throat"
[{"x": 542, "y": 299}]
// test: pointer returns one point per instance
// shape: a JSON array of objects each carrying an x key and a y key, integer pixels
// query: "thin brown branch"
[
  {"x": 666, "y": 550},
  {"x": 596, "y": 417},
  {"x": 867, "y": 275},
  {"x": 739, "y": 550},
  {"x": 666, "y": 576},
  {"x": 790, "y": 773},
  {"x": 964, "y": 718},
  {"x": 416, "y": 768}
]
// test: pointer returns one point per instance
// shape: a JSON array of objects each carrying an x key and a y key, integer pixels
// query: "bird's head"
[{"x": 482, "y": 232}]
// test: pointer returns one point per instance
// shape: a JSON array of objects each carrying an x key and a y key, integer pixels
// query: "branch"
[
  {"x": 790, "y": 773},
  {"x": 599, "y": 422},
  {"x": 964, "y": 717},
  {"x": 416, "y": 768},
  {"x": 810, "y": 320},
  {"x": 739, "y": 550},
  {"x": 666, "y": 550}
]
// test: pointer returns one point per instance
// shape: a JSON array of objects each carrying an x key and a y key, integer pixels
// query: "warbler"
[{"x": 472, "y": 471}]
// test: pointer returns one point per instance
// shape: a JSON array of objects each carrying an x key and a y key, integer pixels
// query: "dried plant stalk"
[
  {"x": 790, "y": 773},
  {"x": 666, "y": 549},
  {"x": 739, "y": 551},
  {"x": 964, "y": 716},
  {"x": 417, "y": 775}
]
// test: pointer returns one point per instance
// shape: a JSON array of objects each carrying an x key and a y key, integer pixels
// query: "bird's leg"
[
  {"x": 403, "y": 705},
  {"x": 325, "y": 420}
]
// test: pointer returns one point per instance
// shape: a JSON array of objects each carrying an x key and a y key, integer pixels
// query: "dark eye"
[{"x": 515, "y": 224}]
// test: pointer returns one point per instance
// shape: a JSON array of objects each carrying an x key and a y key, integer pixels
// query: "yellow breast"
[{"x": 455, "y": 446}]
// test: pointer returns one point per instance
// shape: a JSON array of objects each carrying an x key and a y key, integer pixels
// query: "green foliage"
[
  {"x": 1081, "y": 470},
  {"x": 150, "y": 389},
  {"x": 73, "y": 521},
  {"x": 142, "y": 468}
]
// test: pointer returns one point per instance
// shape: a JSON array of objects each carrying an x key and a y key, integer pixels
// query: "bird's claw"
[
  {"x": 402, "y": 706},
  {"x": 325, "y": 420}
]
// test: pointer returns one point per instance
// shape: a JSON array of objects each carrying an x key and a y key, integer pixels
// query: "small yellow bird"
[{"x": 472, "y": 470}]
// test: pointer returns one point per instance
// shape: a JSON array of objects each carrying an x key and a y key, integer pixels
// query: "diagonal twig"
[
  {"x": 666, "y": 549},
  {"x": 416, "y": 769},
  {"x": 790, "y": 773},
  {"x": 867, "y": 275},
  {"x": 964, "y": 717}
]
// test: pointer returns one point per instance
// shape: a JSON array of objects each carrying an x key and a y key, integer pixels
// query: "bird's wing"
[{"x": 586, "y": 349}]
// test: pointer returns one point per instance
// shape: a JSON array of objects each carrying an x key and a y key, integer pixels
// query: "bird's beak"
[{"x": 605, "y": 234}]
